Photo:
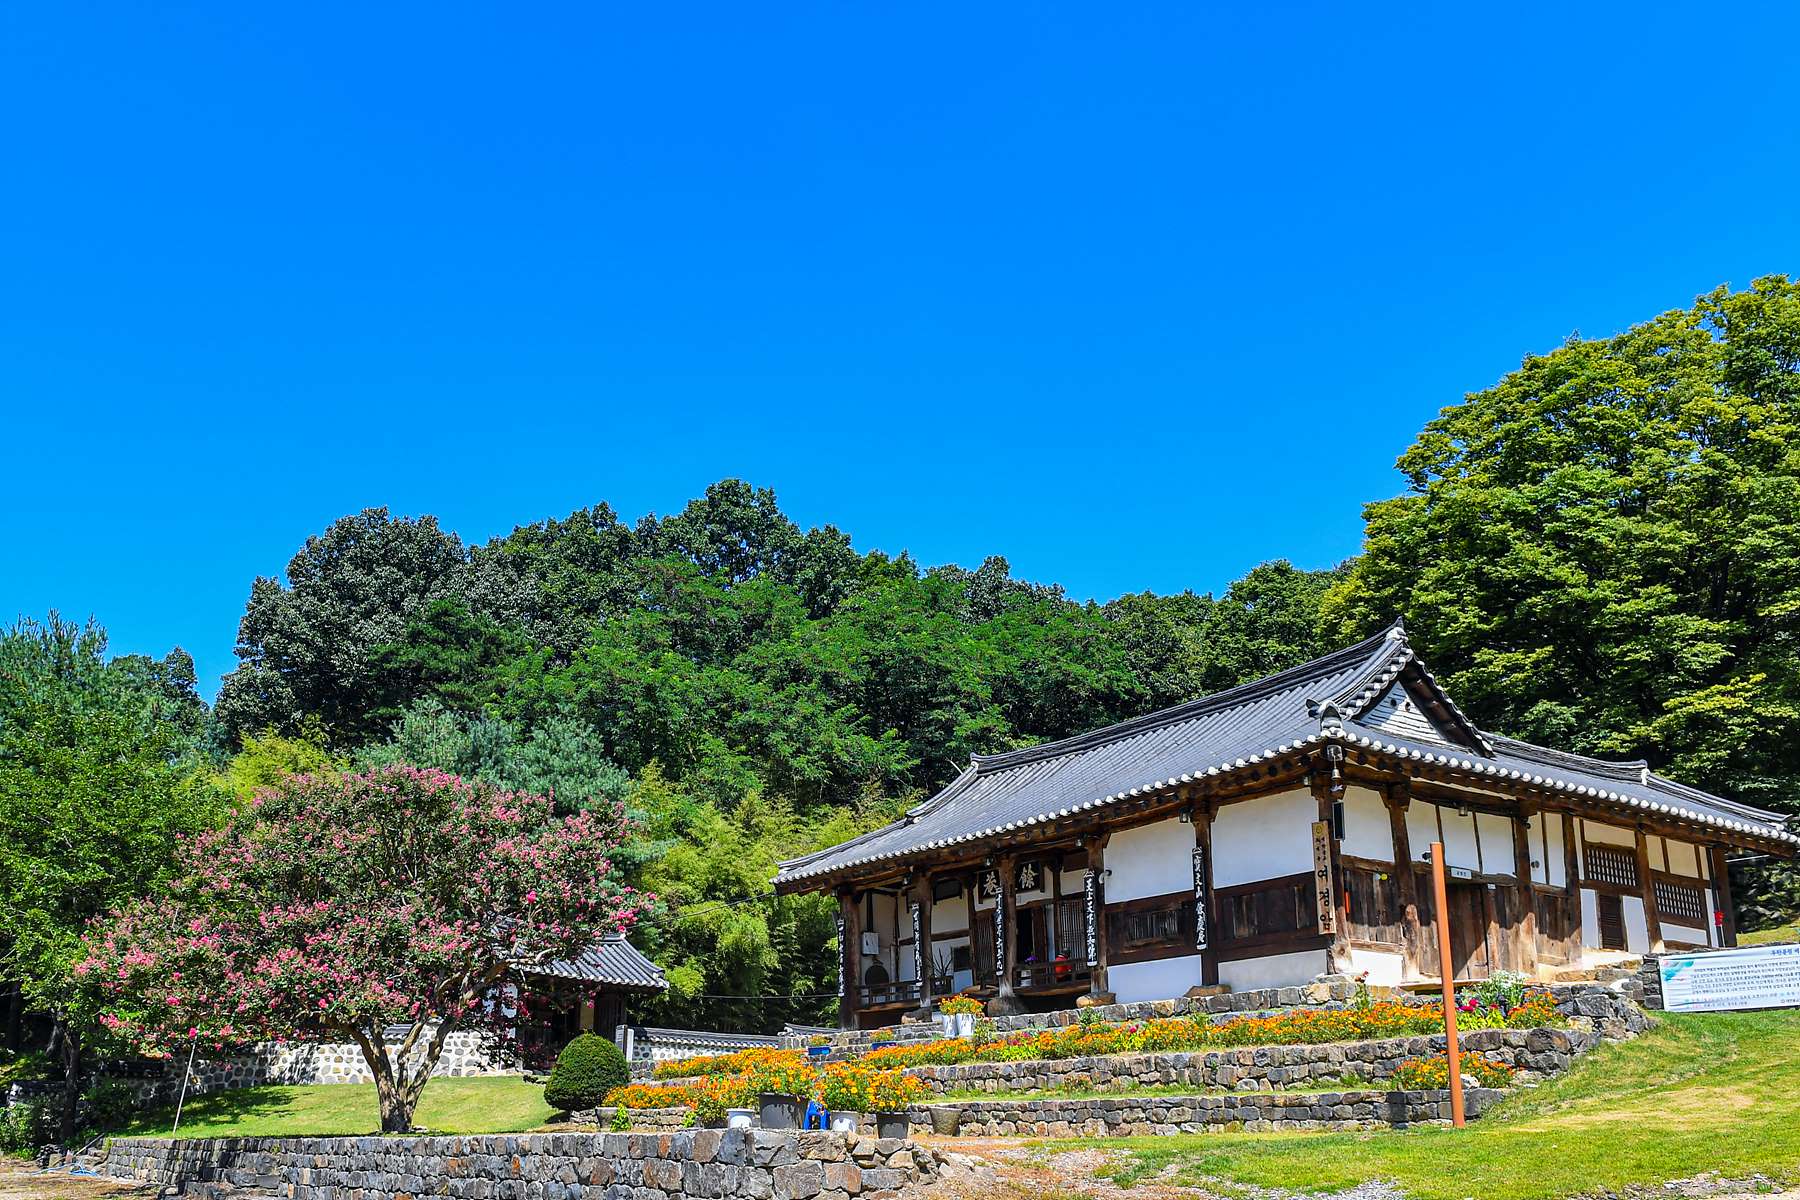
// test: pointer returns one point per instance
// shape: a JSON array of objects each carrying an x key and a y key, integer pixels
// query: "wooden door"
[
  {"x": 1609, "y": 913},
  {"x": 1470, "y": 956}
]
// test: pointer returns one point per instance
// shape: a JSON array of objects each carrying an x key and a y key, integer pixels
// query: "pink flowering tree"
[{"x": 335, "y": 905}]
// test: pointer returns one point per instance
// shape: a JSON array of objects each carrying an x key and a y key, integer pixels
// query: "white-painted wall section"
[
  {"x": 1367, "y": 831},
  {"x": 1151, "y": 860},
  {"x": 1276, "y": 970},
  {"x": 1164, "y": 979},
  {"x": 1257, "y": 839},
  {"x": 1459, "y": 838},
  {"x": 1385, "y": 969},
  {"x": 1498, "y": 857},
  {"x": 1556, "y": 864}
]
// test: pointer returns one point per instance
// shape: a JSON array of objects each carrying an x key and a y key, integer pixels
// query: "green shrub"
[
  {"x": 24, "y": 1127},
  {"x": 587, "y": 1069}
]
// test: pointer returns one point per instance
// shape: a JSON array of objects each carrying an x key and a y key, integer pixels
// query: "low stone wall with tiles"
[
  {"x": 709, "y": 1164},
  {"x": 1160, "y": 1115},
  {"x": 1536, "y": 1053}
]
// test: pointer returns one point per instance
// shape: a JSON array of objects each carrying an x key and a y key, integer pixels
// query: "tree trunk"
[
  {"x": 396, "y": 1106},
  {"x": 400, "y": 1081},
  {"x": 71, "y": 1103}
]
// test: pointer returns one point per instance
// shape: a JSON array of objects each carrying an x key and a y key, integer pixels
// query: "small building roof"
[
  {"x": 1374, "y": 694},
  {"x": 612, "y": 962}
]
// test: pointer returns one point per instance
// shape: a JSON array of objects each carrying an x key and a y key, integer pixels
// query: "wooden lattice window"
[
  {"x": 1611, "y": 865},
  {"x": 1683, "y": 903},
  {"x": 1271, "y": 909}
]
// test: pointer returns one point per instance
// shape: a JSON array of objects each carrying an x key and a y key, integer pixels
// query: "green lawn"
[
  {"x": 497, "y": 1104},
  {"x": 1762, "y": 937},
  {"x": 1702, "y": 1092}
]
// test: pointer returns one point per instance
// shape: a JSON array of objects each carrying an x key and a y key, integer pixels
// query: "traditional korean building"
[
  {"x": 1266, "y": 835},
  {"x": 590, "y": 993}
]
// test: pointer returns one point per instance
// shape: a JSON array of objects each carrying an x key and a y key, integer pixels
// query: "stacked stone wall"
[
  {"x": 699, "y": 1164},
  {"x": 1155, "y": 1116}
]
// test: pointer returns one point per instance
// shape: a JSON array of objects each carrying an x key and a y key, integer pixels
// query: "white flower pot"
[
  {"x": 965, "y": 1024},
  {"x": 845, "y": 1122},
  {"x": 740, "y": 1118}
]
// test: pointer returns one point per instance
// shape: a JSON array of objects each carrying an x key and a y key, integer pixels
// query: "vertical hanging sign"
[
  {"x": 1199, "y": 897},
  {"x": 1090, "y": 912},
  {"x": 1000, "y": 943},
  {"x": 918, "y": 948},
  {"x": 843, "y": 954},
  {"x": 1322, "y": 889}
]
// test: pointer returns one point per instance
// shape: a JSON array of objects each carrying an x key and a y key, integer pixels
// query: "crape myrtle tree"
[{"x": 337, "y": 904}]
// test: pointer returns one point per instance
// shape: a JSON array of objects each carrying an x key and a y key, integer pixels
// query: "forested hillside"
[
  {"x": 751, "y": 689},
  {"x": 1600, "y": 552}
]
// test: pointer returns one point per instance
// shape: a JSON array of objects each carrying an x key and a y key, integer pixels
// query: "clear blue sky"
[{"x": 1135, "y": 298}]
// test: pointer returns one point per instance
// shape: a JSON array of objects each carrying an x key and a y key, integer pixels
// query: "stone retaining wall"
[
  {"x": 711, "y": 1164},
  {"x": 1151, "y": 1116},
  {"x": 1537, "y": 1053}
]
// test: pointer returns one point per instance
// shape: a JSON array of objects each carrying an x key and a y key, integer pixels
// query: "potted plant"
[
  {"x": 779, "y": 1086},
  {"x": 818, "y": 1046},
  {"x": 957, "y": 1016},
  {"x": 845, "y": 1091},
  {"x": 723, "y": 1102},
  {"x": 891, "y": 1094},
  {"x": 882, "y": 1037}
]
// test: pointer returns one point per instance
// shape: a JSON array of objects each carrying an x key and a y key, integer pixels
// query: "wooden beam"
[
  {"x": 1652, "y": 917},
  {"x": 1721, "y": 873},
  {"x": 1205, "y": 911},
  {"x": 1006, "y": 935},
  {"x": 1338, "y": 953},
  {"x": 849, "y": 957},
  {"x": 1572, "y": 863},
  {"x": 1399, "y": 798},
  {"x": 1097, "y": 985},
  {"x": 922, "y": 896},
  {"x": 1525, "y": 928}
]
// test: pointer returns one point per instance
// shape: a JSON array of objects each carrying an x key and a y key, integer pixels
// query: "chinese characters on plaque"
[
  {"x": 1199, "y": 898},
  {"x": 1322, "y": 889}
]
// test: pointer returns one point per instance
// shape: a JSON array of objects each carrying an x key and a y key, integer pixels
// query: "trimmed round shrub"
[{"x": 587, "y": 1069}]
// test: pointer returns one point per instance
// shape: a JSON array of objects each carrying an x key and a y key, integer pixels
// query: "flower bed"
[{"x": 1427, "y": 1074}]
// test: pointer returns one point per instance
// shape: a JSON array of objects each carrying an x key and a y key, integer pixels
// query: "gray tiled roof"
[
  {"x": 1311, "y": 704},
  {"x": 612, "y": 961}
]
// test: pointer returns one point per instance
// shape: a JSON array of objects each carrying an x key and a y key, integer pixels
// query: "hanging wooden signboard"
[
  {"x": 1322, "y": 887},
  {"x": 918, "y": 947},
  {"x": 1090, "y": 912},
  {"x": 843, "y": 955},
  {"x": 1199, "y": 897}
]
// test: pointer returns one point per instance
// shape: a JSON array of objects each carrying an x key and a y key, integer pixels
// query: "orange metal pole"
[{"x": 1444, "y": 969}]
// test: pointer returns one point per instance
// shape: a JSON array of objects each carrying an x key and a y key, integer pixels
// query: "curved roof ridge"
[
  {"x": 1623, "y": 768},
  {"x": 1255, "y": 689}
]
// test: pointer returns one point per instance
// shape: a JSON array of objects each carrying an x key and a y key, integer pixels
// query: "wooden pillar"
[
  {"x": 1572, "y": 867},
  {"x": 1721, "y": 873},
  {"x": 1205, "y": 917},
  {"x": 1006, "y": 943},
  {"x": 1412, "y": 938},
  {"x": 849, "y": 924},
  {"x": 1337, "y": 955},
  {"x": 921, "y": 931},
  {"x": 1525, "y": 930},
  {"x": 1094, "y": 910},
  {"x": 1652, "y": 917}
]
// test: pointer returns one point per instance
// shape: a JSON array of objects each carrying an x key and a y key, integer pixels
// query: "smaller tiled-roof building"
[
  {"x": 1270, "y": 833},
  {"x": 590, "y": 993}
]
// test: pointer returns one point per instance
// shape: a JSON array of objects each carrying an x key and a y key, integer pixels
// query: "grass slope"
[
  {"x": 1763, "y": 937},
  {"x": 1702, "y": 1092},
  {"x": 496, "y": 1104}
]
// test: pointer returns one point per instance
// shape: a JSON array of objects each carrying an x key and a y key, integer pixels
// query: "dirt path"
[{"x": 21, "y": 1180}]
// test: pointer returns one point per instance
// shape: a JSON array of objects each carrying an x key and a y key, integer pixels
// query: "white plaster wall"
[
  {"x": 1164, "y": 979},
  {"x": 1685, "y": 933},
  {"x": 1421, "y": 828},
  {"x": 1367, "y": 832},
  {"x": 1608, "y": 835},
  {"x": 950, "y": 914},
  {"x": 1637, "y": 930},
  {"x": 1684, "y": 858},
  {"x": 1590, "y": 919},
  {"x": 1385, "y": 969},
  {"x": 1153, "y": 860},
  {"x": 1497, "y": 854},
  {"x": 1459, "y": 839},
  {"x": 1274, "y": 970},
  {"x": 1264, "y": 838},
  {"x": 885, "y": 909},
  {"x": 1071, "y": 882},
  {"x": 1556, "y": 866},
  {"x": 945, "y": 947}
]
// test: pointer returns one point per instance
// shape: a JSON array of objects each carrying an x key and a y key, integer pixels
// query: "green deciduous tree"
[
  {"x": 1602, "y": 551},
  {"x": 98, "y": 778}
]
